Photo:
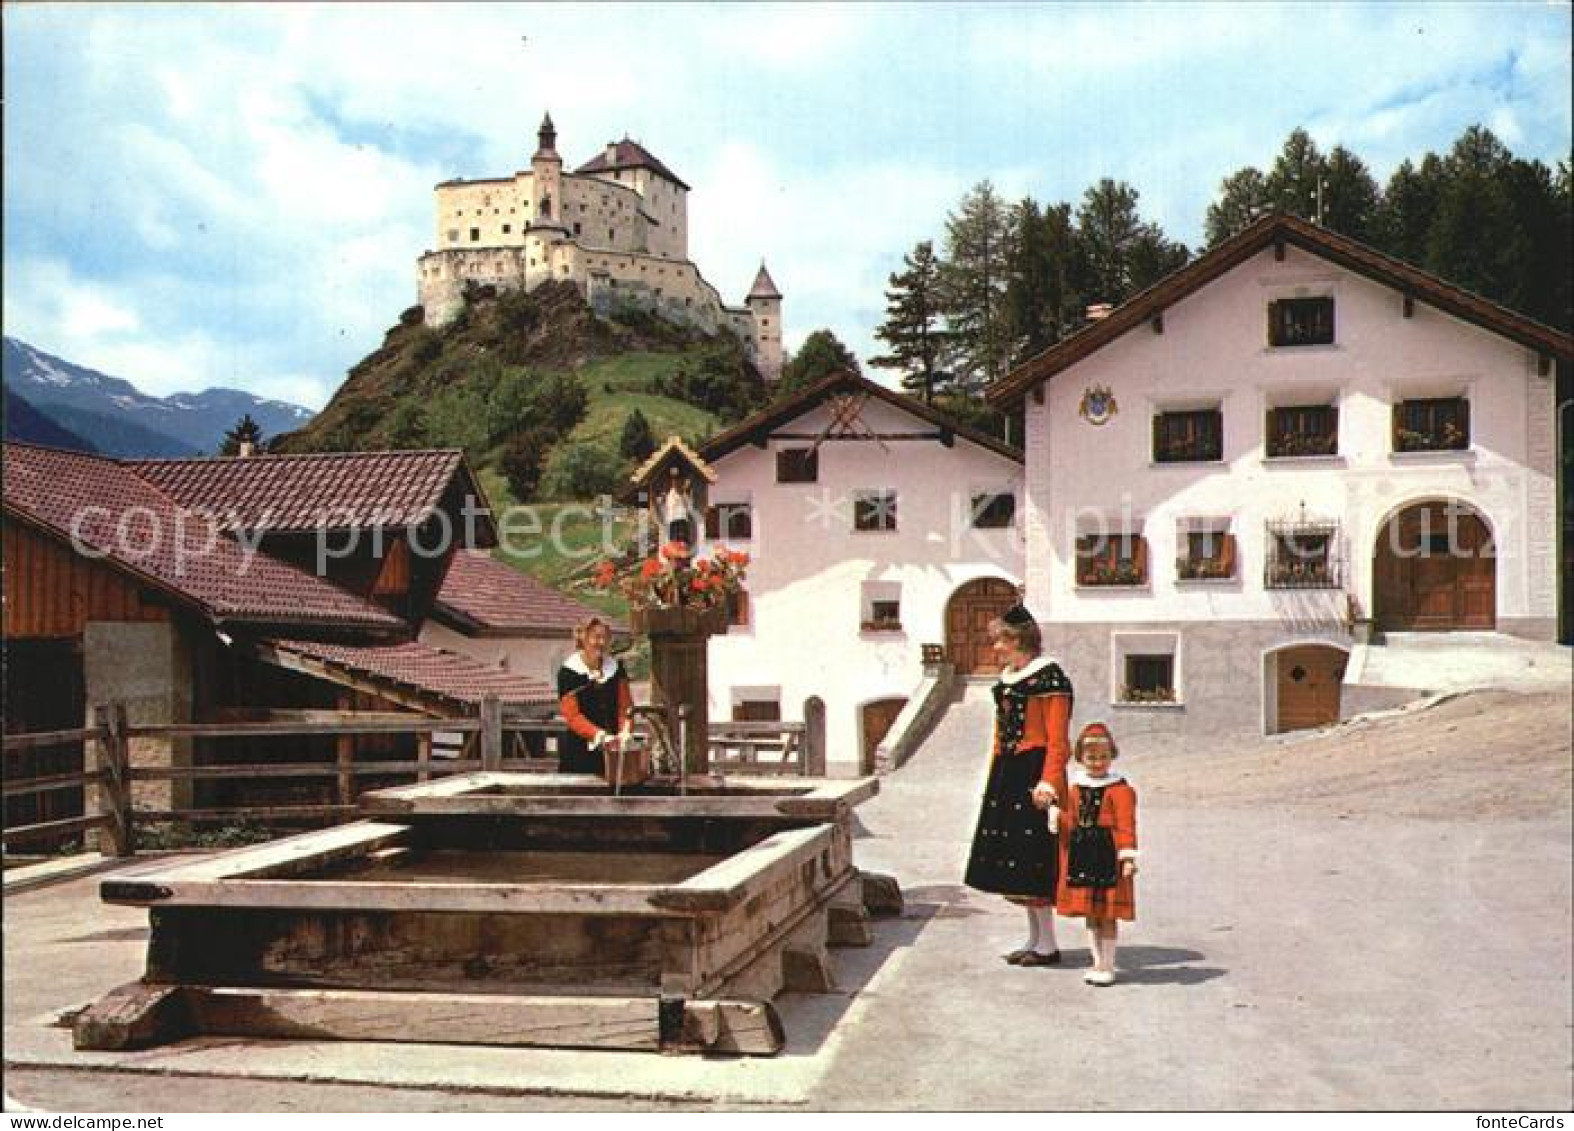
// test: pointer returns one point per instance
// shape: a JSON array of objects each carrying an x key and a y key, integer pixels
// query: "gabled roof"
[
  {"x": 764, "y": 285},
  {"x": 111, "y": 513},
  {"x": 759, "y": 426},
  {"x": 1267, "y": 232},
  {"x": 483, "y": 597},
  {"x": 284, "y": 494},
  {"x": 409, "y": 671},
  {"x": 674, "y": 446},
  {"x": 627, "y": 154}
]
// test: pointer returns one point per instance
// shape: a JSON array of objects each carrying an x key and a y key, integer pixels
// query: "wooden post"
[
  {"x": 679, "y": 675},
  {"x": 423, "y": 756},
  {"x": 114, "y": 758},
  {"x": 344, "y": 747},
  {"x": 813, "y": 760},
  {"x": 491, "y": 733}
]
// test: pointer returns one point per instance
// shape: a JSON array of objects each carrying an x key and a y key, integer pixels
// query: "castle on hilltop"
[{"x": 617, "y": 228}]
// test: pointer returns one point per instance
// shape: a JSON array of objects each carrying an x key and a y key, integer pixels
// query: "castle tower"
[
  {"x": 546, "y": 169},
  {"x": 765, "y": 303}
]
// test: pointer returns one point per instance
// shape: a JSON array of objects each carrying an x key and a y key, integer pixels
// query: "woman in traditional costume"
[
  {"x": 1098, "y": 844},
  {"x": 594, "y": 699},
  {"x": 1014, "y": 851}
]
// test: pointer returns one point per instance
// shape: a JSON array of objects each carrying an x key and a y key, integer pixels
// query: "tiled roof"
[
  {"x": 1318, "y": 241},
  {"x": 105, "y": 507},
  {"x": 674, "y": 445},
  {"x": 764, "y": 285},
  {"x": 482, "y": 596},
  {"x": 628, "y": 154},
  {"x": 300, "y": 493},
  {"x": 767, "y": 420},
  {"x": 412, "y": 668}
]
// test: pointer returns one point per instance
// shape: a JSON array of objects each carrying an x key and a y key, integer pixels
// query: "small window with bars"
[
  {"x": 729, "y": 522},
  {"x": 1301, "y": 322},
  {"x": 1188, "y": 437},
  {"x": 1302, "y": 430},
  {"x": 797, "y": 465},
  {"x": 874, "y": 511},
  {"x": 1436, "y": 425},
  {"x": 1112, "y": 559},
  {"x": 1206, "y": 555},
  {"x": 994, "y": 510},
  {"x": 1149, "y": 679}
]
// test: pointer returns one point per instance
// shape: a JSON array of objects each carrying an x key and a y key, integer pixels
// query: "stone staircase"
[{"x": 1429, "y": 662}]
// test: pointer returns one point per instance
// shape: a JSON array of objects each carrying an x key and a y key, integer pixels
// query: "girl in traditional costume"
[
  {"x": 1014, "y": 852},
  {"x": 594, "y": 699},
  {"x": 1098, "y": 847}
]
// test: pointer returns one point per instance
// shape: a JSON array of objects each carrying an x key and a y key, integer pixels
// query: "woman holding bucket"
[{"x": 594, "y": 699}]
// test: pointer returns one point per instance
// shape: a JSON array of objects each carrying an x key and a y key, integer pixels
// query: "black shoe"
[
  {"x": 1034, "y": 958},
  {"x": 1017, "y": 957}
]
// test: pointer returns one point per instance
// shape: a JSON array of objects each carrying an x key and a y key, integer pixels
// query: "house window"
[
  {"x": 797, "y": 465},
  {"x": 1302, "y": 555},
  {"x": 994, "y": 510},
  {"x": 1301, "y": 322},
  {"x": 1303, "y": 430},
  {"x": 1438, "y": 425},
  {"x": 874, "y": 510},
  {"x": 1188, "y": 437},
  {"x": 1207, "y": 554},
  {"x": 1112, "y": 559},
  {"x": 730, "y": 521},
  {"x": 756, "y": 704},
  {"x": 881, "y": 606},
  {"x": 1148, "y": 679},
  {"x": 475, "y": 235}
]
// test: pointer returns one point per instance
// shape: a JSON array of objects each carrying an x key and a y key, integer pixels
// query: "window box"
[
  {"x": 1118, "y": 560},
  {"x": 1436, "y": 425},
  {"x": 1301, "y": 322},
  {"x": 883, "y": 625},
  {"x": 1302, "y": 430},
  {"x": 1188, "y": 437}
]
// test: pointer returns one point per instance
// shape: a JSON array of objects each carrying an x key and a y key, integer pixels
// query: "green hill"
[{"x": 536, "y": 376}]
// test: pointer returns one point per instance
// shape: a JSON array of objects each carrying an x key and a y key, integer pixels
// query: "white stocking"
[
  {"x": 1032, "y": 940},
  {"x": 1044, "y": 928}
]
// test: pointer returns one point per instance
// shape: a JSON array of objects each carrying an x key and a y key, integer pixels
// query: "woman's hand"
[{"x": 1043, "y": 794}]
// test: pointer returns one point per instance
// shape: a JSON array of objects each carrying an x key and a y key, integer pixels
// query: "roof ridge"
[{"x": 224, "y": 461}]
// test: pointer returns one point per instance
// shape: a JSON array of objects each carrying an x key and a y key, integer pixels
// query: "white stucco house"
[
  {"x": 875, "y": 526},
  {"x": 1289, "y": 447}
]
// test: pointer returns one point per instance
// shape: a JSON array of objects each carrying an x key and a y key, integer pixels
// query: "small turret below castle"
[{"x": 617, "y": 227}]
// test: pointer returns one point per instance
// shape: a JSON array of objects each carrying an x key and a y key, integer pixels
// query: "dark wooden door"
[
  {"x": 877, "y": 719},
  {"x": 967, "y": 619},
  {"x": 44, "y": 691},
  {"x": 1434, "y": 569},
  {"x": 1309, "y": 680}
]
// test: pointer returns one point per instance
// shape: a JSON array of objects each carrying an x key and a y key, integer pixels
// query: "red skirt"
[{"x": 1118, "y": 902}]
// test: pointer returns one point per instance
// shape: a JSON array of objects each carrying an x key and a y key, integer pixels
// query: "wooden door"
[
  {"x": 877, "y": 719},
  {"x": 967, "y": 619},
  {"x": 1434, "y": 569},
  {"x": 1308, "y": 686}
]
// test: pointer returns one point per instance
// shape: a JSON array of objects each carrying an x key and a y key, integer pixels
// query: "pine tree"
[
  {"x": 1351, "y": 199},
  {"x": 978, "y": 244},
  {"x": 637, "y": 441},
  {"x": 821, "y": 355},
  {"x": 912, "y": 327},
  {"x": 1473, "y": 240},
  {"x": 1292, "y": 183},
  {"x": 1408, "y": 208},
  {"x": 245, "y": 431},
  {"x": 1243, "y": 197}
]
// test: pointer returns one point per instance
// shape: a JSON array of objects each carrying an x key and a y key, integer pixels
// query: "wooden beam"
[
  {"x": 1038, "y": 393},
  {"x": 536, "y": 1021},
  {"x": 865, "y": 436},
  {"x": 284, "y": 857},
  {"x": 133, "y": 1016},
  {"x": 743, "y": 874},
  {"x": 1157, "y": 323},
  {"x": 16, "y": 743},
  {"x": 1543, "y": 364},
  {"x": 1278, "y": 249},
  {"x": 1410, "y": 306}
]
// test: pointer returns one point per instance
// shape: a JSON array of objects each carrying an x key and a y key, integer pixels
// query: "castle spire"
[
  {"x": 764, "y": 285},
  {"x": 546, "y": 137}
]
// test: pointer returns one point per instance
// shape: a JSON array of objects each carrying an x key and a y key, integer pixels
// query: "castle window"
[
  {"x": 453, "y": 235},
  {"x": 475, "y": 235},
  {"x": 610, "y": 235},
  {"x": 576, "y": 227},
  {"x": 507, "y": 228}
]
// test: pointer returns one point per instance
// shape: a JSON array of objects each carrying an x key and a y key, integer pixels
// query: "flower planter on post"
[{"x": 679, "y": 671}]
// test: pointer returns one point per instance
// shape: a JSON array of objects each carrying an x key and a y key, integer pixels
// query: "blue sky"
[{"x": 199, "y": 195}]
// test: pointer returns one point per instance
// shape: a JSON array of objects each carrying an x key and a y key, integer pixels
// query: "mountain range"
[{"x": 111, "y": 415}]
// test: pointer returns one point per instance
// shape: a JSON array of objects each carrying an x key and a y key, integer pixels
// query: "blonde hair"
[
  {"x": 583, "y": 628},
  {"x": 1028, "y": 637}
]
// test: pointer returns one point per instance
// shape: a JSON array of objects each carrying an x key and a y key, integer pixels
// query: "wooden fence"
[{"x": 490, "y": 741}]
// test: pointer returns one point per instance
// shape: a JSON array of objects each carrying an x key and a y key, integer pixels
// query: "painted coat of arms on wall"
[{"x": 1098, "y": 405}]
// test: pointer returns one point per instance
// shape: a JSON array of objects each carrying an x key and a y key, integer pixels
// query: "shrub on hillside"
[
  {"x": 523, "y": 457},
  {"x": 581, "y": 471},
  {"x": 637, "y": 441}
]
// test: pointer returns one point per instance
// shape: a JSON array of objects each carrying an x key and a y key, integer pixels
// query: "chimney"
[
  {"x": 612, "y": 153},
  {"x": 1098, "y": 311},
  {"x": 247, "y": 450}
]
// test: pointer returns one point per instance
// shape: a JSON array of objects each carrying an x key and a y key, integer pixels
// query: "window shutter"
[
  {"x": 1398, "y": 426},
  {"x": 1158, "y": 437},
  {"x": 1270, "y": 433},
  {"x": 1464, "y": 418},
  {"x": 712, "y": 522},
  {"x": 1333, "y": 428},
  {"x": 1139, "y": 556},
  {"x": 1227, "y": 555},
  {"x": 1273, "y": 323}
]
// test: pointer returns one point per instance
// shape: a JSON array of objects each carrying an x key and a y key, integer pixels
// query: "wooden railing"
[{"x": 490, "y": 741}]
